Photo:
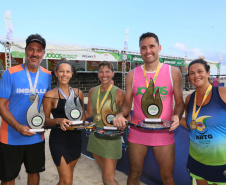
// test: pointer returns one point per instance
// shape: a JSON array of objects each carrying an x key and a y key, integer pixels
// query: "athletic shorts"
[
  {"x": 212, "y": 174},
  {"x": 13, "y": 156}
]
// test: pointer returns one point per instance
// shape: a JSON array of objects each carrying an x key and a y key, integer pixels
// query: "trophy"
[
  {"x": 35, "y": 119},
  {"x": 108, "y": 111},
  {"x": 151, "y": 107},
  {"x": 72, "y": 111}
]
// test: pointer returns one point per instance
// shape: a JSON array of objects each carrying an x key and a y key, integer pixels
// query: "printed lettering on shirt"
[
  {"x": 162, "y": 90},
  {"x": 28, "y": 91}
]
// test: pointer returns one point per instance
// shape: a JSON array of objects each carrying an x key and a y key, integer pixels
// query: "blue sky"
[{"x": 198, "y": 24}]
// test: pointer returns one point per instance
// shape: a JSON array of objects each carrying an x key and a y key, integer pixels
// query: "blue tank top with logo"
[{"x": 208, "y": 141}]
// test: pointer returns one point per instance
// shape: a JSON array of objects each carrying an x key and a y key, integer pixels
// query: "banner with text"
[
  {"x": 71, "y": 55},
  {"x": 172, "y": 62}
]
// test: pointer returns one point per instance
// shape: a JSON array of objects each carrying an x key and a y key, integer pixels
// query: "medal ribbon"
[
  {"x": 61, "y": 91},
  {"x": 155, "y": 77},
  {"x": 98, "y": 99},
  {"x": 32, "y": 88},
  {"x": 195, "y": 113}
]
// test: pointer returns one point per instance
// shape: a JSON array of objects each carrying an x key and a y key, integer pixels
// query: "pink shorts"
[{"x": 151, "y": 137}]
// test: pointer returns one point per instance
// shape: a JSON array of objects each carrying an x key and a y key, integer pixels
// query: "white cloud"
[
  {"x": 196, "y": 53},
  {"x": 180, "y": 47},
  {"x": 191, "y": 53}
]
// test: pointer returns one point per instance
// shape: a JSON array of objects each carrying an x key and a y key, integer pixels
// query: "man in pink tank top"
[{"x": 169, "y": 81}]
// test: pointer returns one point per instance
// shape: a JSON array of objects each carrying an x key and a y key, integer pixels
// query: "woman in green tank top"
[{"x": 103, "y": 104}]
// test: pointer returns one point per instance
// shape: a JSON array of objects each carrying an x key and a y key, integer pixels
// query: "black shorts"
[
  {"x": 12, "y": 157},
  {"x": 207, "y": 172}
]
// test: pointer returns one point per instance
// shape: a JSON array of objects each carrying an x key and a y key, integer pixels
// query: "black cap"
[{"x": 36, "y": 38}]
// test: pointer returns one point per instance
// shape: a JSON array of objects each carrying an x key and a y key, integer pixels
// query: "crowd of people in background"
[{"x": 25, "y": 86}]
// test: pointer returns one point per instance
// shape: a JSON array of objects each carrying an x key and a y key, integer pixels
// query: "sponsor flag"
[
  {"x": 220, "y": 56},
  {"x": 126, "y": 38},
  {"x": 8, "y": 25}
]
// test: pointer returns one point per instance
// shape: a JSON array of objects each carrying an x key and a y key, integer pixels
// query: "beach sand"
[{"x": 86, "y": 170}]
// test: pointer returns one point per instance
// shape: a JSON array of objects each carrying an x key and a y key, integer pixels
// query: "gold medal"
[
  {"x": 98, "y": 117},
  {"x": 195, "y": 113},
  {"x": 193, "y": 125}
]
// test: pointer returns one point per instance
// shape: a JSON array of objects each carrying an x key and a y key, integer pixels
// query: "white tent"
[
  {"x": 79, "y": 52},
  {"x": 57, "y": 50},
  {"x": 214, "y": 66}
]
